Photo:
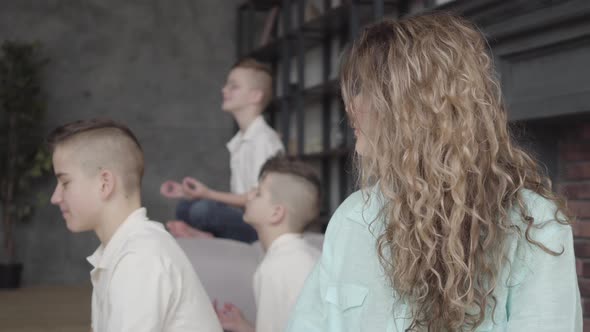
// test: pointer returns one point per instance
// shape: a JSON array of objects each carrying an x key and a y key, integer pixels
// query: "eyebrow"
[{"x": 59, "y": 175}]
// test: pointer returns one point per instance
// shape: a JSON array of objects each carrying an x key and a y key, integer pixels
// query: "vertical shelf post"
[
  {"x": 300, "y": 76},
  {"x": 285, "y": 58},
  {"x": 354, "y": 18},
  {"x": 249, "y": 26},
  {"x": 326, "y": 112},
  {"x": 378, "y": 9},
  {"x": 239, "y": 38}
]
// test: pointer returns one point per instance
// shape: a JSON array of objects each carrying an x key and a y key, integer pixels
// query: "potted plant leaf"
[{"x": 23, "y": 156}]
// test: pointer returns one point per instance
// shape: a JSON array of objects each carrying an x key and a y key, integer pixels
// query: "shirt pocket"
[{"x": 346, "y": 303}]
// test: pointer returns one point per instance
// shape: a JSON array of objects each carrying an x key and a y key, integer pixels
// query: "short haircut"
[
  {"x": 262, "y": 77},
  {"x": 103, "y": 143},
  {"x": 296, "y": 185}
]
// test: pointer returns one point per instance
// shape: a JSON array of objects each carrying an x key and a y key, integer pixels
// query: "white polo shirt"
[
  {"x": 248, "y": 151},
  {"x": 279, "y": 278},
  {"x": 144, "y": 282}
]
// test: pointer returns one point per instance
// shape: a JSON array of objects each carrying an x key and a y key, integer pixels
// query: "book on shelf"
[{"x": 269, "y": 25}]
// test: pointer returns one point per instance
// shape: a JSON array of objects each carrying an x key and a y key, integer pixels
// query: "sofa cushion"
[{"x": 226, "y": 268}]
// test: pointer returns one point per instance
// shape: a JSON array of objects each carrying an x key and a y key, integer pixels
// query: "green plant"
[{"x": 23, "y": 156}]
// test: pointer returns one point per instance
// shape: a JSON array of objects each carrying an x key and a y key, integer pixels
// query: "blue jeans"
[{"x": 221, "y": 220}]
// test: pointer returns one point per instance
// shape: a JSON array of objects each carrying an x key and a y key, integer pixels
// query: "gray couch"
[{"x": 226, "y": 268}]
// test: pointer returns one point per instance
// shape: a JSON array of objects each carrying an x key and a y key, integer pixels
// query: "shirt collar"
[
  {"x": 283, "y": 240},
  {"x": 104, "y": 255},
  {"x": 250, "y": 132}
]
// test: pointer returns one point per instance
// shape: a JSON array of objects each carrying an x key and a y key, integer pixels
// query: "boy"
[
  {"x": 142, "y": 281},
  {"x": 208, "y": 212},
  {"x": 284, "y": 203}
]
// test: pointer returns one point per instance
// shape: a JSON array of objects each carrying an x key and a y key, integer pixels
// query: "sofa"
[{"x": 226, "y": 268}]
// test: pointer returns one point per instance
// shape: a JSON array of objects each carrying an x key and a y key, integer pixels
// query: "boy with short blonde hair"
[
  {"x": 285, "y": 202},
  {"x": 204, "y": 212},
  {"x": 142, "y": 280}
]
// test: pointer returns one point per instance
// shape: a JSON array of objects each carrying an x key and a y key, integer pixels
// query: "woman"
[{"x": 455, "y": 228}]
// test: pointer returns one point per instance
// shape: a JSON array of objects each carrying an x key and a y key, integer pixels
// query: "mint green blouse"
[{"x": 347, "y": 290}]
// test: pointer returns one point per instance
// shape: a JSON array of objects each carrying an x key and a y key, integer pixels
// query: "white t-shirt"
[
  {"x": 279, "y": 279},
  {"x": 144, "y": 282},
  {"x": 249, "y": 151}
]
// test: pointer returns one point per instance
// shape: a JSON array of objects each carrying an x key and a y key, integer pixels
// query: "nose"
[{"x": 56, "y": 197}]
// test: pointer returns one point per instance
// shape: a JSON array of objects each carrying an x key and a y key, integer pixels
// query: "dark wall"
[{"x": 156, "y": 65}]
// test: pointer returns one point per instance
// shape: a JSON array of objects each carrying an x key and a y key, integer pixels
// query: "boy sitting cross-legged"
[
  {"x": 205, "y": 212},
  {"x": 142, "y": 280},
  {"x": 285, "y": 202}
]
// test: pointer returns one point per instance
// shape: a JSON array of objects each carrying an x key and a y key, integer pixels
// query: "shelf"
[
  {"x": 313, "y": 31},
  {"x": 268, "y": 52},
  {"x": 334, "y": 21},
  {"x": 334, "y": 153},
  {"x": 259, "y": 4},
  {"x": 331, "y": 88},
  {"x": 310, "y": 95},
  {"x": 328, "y": 33}
]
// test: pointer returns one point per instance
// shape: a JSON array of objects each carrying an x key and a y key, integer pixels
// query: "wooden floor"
[{"x": 45, "y": 309}]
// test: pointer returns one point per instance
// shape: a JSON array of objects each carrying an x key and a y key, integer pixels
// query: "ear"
[
  {"x": 107, "y": 184},
  {"x": 256, "y": 96},
  {"x": 279, "y": 213}
]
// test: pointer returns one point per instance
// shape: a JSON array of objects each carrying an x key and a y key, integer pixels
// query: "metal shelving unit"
[{"x": 287, "y": 47}]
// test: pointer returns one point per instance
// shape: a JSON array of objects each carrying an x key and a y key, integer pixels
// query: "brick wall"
[{"x": 574, "y": 183}]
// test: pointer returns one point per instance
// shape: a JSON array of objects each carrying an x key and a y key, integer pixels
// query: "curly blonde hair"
[{"x": 443, "y": 158}]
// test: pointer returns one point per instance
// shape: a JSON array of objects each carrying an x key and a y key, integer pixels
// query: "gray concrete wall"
[{"x": 157, "y": 65}]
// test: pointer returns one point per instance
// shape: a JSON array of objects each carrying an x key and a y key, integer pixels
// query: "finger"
[
  {"x": 169, "y": 183},
  {"x": 189, "y": 179},
  {"x": 187, "y": 190},
  {"x": 187, "y": 184}
]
